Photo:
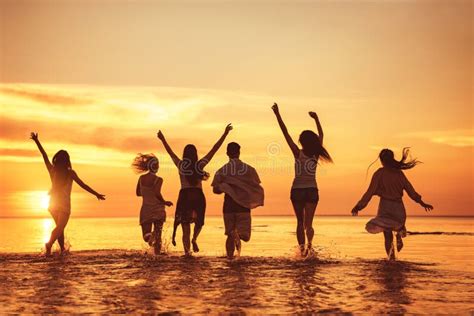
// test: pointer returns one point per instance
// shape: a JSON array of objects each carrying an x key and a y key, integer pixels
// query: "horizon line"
[{"x": 220, "y": 215}]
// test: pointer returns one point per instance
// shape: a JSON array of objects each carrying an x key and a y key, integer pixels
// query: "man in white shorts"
[{"x": 242, "y": 192}]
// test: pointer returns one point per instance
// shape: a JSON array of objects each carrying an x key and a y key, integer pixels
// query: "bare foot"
[
  {"x": 149, "y": 238},
  {"x": 47, "y": 248},
  {"x": 302, "y": 250},
  {"x": 195, "y": 246},
  {"x": 238, "y": 246},
  {"x": 399, "y": 242},
  {"x": 157, "y": 249},
  {"x": 391, "y": 255}
]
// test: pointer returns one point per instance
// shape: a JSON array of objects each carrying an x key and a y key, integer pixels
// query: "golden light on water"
[
  {"x": 44, "y": 201},
  {"x": 47, "y": 227}
]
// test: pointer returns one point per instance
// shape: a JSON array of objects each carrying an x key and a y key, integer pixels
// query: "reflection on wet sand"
[
  {"x": 130, "y": 281},
  {"x": 52, "y": 288},
  {"x": 391, "y": 277}
]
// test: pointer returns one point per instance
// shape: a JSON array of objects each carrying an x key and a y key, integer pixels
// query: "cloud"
[
  {"x": 18, "y": 152},
  {"x": 48, "y": 98},
  {"x": 453, "y": 138},
  {"x": 124, "y": 140}
]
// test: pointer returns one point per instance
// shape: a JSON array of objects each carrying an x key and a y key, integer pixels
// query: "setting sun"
[
  {"x": 237, "y": 157},
  {"x": 44, "y": 201}
]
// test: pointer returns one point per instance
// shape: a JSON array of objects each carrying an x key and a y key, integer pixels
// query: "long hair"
[
  {"x": 387, "y": 158},
  {"x": 312, "y": 146},
  {"x": 61, "y": 163},
  {"x": 190, "y": 166},
  {"x": 145, "y": 162}
]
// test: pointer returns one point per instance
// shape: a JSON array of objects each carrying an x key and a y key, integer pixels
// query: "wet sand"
[{"x": 118, "y": 281}]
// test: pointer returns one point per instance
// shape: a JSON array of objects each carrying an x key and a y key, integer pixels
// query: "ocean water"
[{"x": 110, "y": 269}]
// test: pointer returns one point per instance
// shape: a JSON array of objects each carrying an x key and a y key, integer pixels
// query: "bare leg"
[
  {"x": 61, "y": 237},
  {"x": 309, "y": 210},
  {"x": 399, "y": 242},
  {"x": 158, "y": 226},
  {"x": 389, "y": 249},
  {"x": 175, "y": 227},
  {"x": 197, "y": 230},
  {"x": 230, "y": 246},
  {"x": 61, "y": 242},
  {"x": 61, "y": 222},
  {"x": 147, "y": 233},
  {"x": 186, "y": 237},
  {"x": 299, "y": 212}
]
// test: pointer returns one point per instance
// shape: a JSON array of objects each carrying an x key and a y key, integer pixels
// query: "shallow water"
[{"x": 348, "y": 273}]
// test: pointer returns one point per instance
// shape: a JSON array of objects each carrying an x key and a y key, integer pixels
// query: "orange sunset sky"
[{"x": 99, "y": 78}]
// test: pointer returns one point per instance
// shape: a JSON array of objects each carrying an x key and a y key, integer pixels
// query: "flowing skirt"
[{"x": 391, "y": 216}]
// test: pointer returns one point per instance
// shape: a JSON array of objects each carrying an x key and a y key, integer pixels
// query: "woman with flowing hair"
[
  {"x": 388, "y": 183},
  {"x": 191, "y": 205},
  {"x": 152, "y": 212},
  {"x": 62, "y": 175},
  {"x": 304, "y": 190}
]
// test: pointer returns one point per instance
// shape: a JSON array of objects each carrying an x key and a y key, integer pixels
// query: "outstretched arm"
[
  {"x": 217, "y": 145},
  {"x": 34, "y": 137},
  {"x": 76, "y": 178},
  {"x": 168, "y": 148},
  {"x": 415, "y": 196},
  {"x": 158, "y": 194},
  {"x": 318, "y": 125},
  {"x": 368, "y": 194},
  {"x": 289, "y": 140}
]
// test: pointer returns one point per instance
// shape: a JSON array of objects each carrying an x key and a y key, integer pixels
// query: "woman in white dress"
[{"x": 389, "y": 182}]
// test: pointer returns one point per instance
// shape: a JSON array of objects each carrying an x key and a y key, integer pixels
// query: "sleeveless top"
[
  {"x": 60, "y": 193},
  {"x": 152, "y": 208},
  {"x": 305, "y": 172},
  {"x": 148, "y": 194}
]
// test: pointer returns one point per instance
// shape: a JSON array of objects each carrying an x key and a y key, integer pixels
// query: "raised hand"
[
  {"x": 355, "y": 211},
  {"x": 34, "y": 136},
  {"x": 275, "y": 108},
  {"x": 313, "y": 115},
  {"x": 427, "y": 207},
  {"x": 100, "y": 197},
  {"x": 160, "y": 135},
  {"x": 168, "y": 203},
  {"x": 228, "y": 128}
]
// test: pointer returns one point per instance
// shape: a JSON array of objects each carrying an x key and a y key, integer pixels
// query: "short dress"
[
  {"x": 152, "y": 210},
  {"x": 304, "y": 188},
  {"x": 389, "y": 184}
]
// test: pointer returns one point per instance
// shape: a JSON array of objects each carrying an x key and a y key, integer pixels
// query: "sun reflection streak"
[{"x": 47, "y": 227}]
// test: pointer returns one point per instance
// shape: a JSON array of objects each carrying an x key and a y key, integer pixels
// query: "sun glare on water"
[
  {"x": 47, "y": 227},
  {"x": 44, "y": 201}
]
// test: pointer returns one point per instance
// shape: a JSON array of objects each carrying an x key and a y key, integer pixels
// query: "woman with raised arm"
[
  {"x": 191, "y": 205},
  {"x": 389, "y": 182},
  {"x": 62, "y": 175},
  {"x": 304, "y": 190}
]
